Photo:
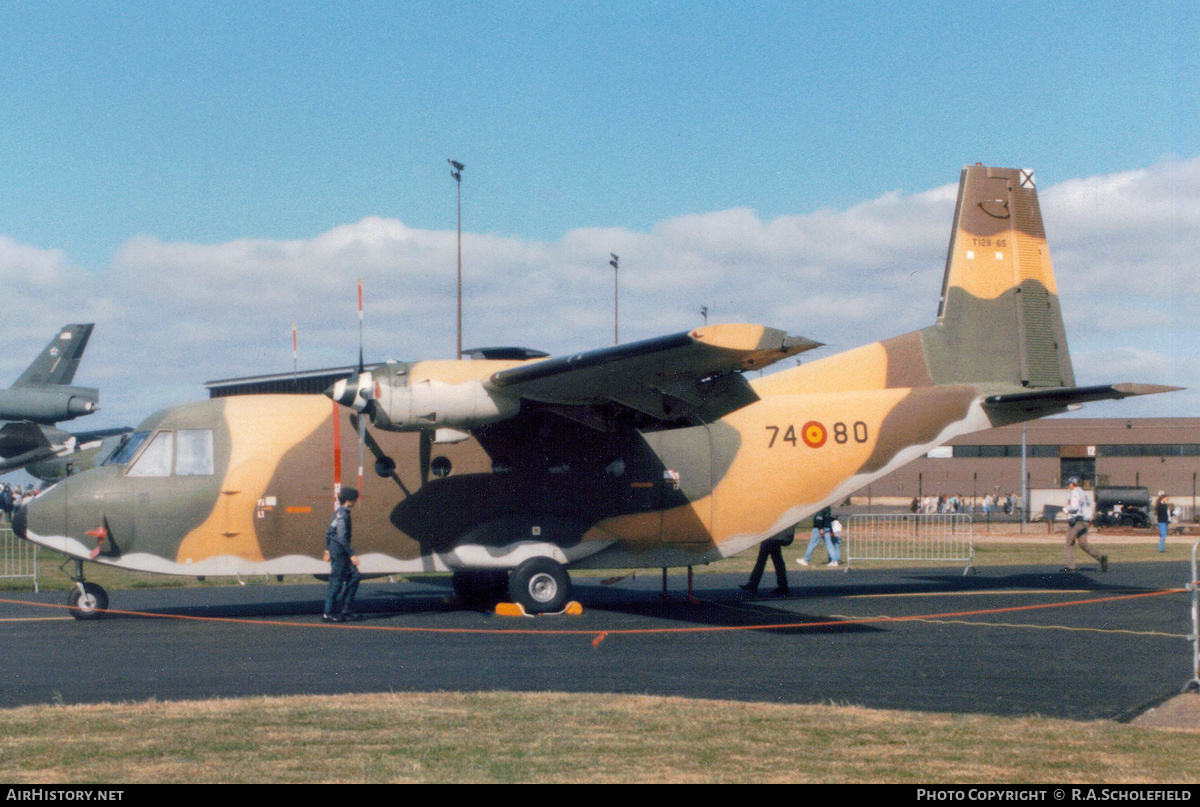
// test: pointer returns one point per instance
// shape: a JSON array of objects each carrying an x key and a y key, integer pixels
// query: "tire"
[
  {"x": 90, "y": 604},
  {"x": 540, "y": 585}
]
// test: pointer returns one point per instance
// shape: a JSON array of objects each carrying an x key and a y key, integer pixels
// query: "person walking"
[
  {"x": 1162, "y": 513},
  {"x": 1077, "y": 527},
  {"x": 771, "y": 548},
  {"x": 343, "y": 563},
  {"x": 822, "y": 528}
]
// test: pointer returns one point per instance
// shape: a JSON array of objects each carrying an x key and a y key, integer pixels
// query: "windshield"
[{"x": 130, "y": 443}]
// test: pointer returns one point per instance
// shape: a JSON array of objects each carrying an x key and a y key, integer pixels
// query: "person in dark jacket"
[
  {"x": 1162, "y": 514},
  {"x": 771, "y": 548},
  {"x": 822, "y": 528},
  {"x": 343, "y": 563}
]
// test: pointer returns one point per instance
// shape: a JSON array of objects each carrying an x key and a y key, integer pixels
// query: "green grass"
[{"x": 547, "y": 737}]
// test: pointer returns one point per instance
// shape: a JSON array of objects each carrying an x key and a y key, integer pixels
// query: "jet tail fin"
[
  {"x": 56, "y": 365},
  {"x": 999, "y": 319}
]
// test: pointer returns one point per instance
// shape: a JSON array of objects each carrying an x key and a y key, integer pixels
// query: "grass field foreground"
[{"x": 541, "y": 737}]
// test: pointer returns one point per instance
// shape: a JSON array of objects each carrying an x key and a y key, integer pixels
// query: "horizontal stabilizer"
[{"x": 1062, "y": 397}]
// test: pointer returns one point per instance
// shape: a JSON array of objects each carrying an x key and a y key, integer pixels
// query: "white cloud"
[{"x": 173, "y": 315}]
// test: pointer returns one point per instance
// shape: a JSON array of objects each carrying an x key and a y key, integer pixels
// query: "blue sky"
[
  {"x": 183, "y": 174},
  {"x": 210, "y": 121}
]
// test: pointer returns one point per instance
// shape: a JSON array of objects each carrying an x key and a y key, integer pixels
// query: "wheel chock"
[{"x": 516, "y": 609}]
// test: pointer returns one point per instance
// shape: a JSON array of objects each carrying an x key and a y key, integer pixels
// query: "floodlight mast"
[
  {"x": 614, "y": 263},
  {"x": 456, "y": 169}
]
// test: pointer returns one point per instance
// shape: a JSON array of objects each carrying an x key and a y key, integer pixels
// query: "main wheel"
[
  {"x": 540, "y": 585},
  {"x": 88, "y": 604}
]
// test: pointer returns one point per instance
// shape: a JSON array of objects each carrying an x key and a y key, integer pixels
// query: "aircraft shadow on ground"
[
  {"x": 719, "y": 607},
  {"x": 932, "y": 583},
  {"x": 726, "y": 612}
]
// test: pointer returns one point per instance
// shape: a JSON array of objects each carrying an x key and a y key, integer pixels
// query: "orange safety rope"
[{"x": 599, "y": 635}]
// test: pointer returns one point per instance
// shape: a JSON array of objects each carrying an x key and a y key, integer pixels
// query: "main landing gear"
[
  {"x": 86, "y": 600},
  {"x": 539, "y": 585}
]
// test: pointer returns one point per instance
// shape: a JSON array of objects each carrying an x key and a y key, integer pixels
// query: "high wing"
[
  {"x": 661, "y": 377},
  {"x": 688, "y": 375}
]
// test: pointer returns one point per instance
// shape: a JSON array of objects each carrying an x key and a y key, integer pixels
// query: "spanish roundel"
[{"x": 813, "y": 434}]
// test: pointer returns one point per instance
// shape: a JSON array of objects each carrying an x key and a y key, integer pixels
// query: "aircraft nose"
[{"x": 19, "y": 520}]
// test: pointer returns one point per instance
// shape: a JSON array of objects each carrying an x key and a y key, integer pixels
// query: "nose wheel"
[{"x": 86, "y": 600}]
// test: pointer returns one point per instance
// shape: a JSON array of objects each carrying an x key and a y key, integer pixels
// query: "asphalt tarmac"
[{"x": 1008, "y": 641}]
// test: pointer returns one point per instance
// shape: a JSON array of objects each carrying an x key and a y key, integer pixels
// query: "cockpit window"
[
  {"x": 194, "y": 452},
  {"x": 155, "y": 460},
  {"x": 187, "y": 452},
  {"x": 130, "y": 443}
]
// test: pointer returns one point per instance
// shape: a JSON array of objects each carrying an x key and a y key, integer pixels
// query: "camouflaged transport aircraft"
[{"x": 507, "y": 471}]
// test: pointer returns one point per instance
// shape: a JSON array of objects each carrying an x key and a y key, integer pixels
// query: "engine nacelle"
[
  {"x": 47, "y": 405},
  {"x": 433, "y": 404}
]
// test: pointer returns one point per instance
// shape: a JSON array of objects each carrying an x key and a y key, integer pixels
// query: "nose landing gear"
[{"x": 86, "y": 600}]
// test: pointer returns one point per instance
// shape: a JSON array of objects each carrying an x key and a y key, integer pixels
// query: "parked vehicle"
[{"x": 1122, "y": 507}]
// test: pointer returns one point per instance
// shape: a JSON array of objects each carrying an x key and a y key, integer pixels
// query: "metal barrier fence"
[
  {"x": 944, "y": 537},
  {"x": 17, "y": 558},
  {"x": 1194, "y": 587}
]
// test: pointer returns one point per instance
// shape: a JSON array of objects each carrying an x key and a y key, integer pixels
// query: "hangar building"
[{"x": 1156, "y": 453}]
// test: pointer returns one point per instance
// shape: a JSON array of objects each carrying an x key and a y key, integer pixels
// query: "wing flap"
[{"x": 640, "y": 374}]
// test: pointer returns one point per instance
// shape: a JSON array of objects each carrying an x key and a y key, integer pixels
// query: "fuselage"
[{"x": 245, "y": 485}]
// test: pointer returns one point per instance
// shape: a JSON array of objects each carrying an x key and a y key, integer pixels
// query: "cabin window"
[
  {"x": 155, "y": 460},
  {"x": 194, "y": 452}
]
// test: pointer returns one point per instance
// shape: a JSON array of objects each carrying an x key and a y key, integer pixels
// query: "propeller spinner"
[{"x": 356, "y": 392}]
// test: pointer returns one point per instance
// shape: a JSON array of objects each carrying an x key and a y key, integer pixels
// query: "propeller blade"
[
  {"x": 337, "y": 452},
  {"x": 360, "y": 328},
  {"x": 362, "y": 444}
]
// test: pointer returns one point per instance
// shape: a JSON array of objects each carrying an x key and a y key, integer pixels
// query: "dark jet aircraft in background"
[
  {"x": 508, "y": 472},
  {"x": 43, "y": 396}
]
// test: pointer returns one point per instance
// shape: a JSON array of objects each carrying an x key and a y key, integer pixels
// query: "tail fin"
[
  {"x": 56, "y": 365},
  {"x": 999, "y": 320}
]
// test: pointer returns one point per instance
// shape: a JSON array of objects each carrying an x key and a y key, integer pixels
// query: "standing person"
[
  {"x": 1077, "y": 527},
  {"x": 772, "y": 548},
  {"x": 1162, "y": 513},
  {"x": 822, "y": 528},
  {"x": 343, "y": 563}
]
